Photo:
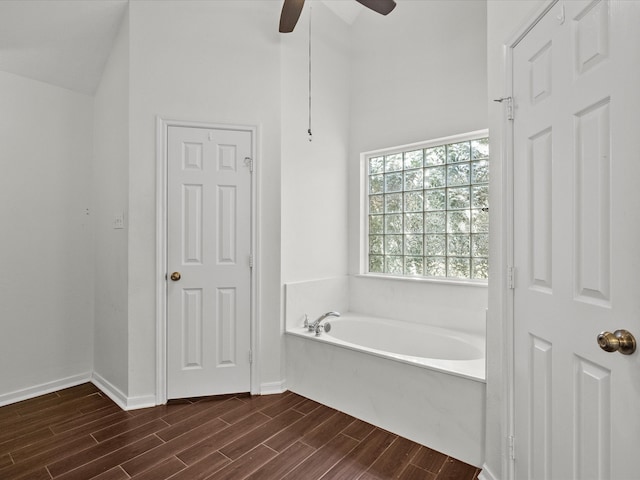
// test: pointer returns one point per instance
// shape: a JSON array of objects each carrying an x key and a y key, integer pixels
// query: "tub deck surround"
[
  {"x": 440, "y": 349},
  {"x": 439, "y": 403}
]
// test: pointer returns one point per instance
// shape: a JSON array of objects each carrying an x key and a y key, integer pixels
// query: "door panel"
[
  {"x": 209, "y": 244},
  {"x": 576, "y": 170}
]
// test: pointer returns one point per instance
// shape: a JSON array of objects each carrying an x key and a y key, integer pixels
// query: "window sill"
[{"x": 440, "y": 281}]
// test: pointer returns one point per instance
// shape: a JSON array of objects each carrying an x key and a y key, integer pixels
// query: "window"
[{"x": 428, "y": 209}]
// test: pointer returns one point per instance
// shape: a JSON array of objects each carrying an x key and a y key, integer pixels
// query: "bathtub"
[
  {"x": 455, "y": 353},
  {"x": 424, "y": 383}
]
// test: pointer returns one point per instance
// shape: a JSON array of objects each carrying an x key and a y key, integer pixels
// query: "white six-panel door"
[
  {"x": 576, "y": 78},
  {"x": 208, "y": 258}
]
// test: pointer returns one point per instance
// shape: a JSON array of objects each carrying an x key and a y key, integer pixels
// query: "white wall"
[
  {"x": 503, "y": 18},
  {"x": 417, "y": 74},
  {"x": 110, "y": 197},
  {"x": 211, "y": 62},
  {"x": 46, "y": 287},
  {"x": 314, "y": 174}
]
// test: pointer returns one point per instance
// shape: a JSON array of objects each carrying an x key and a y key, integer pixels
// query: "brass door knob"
[
  {"x": 175, "y": 276},
  {"x": 618, "y": 341}
]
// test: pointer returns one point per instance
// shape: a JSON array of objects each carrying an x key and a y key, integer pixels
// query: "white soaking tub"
[{"x": 424, "y": 383}]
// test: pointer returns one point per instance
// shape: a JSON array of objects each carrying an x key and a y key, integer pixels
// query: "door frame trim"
[
  {"x": 162, "y": 129},
  {"x": 508, "y": 226}
]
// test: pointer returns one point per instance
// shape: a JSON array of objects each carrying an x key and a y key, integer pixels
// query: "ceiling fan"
[{"x": 291, "y": 10}]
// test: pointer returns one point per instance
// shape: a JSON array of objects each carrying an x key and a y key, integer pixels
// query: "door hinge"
[
  {"x": 511, "y": 277},
  {"x": 250, "y": 357},
  {"x": 509, "y": 103},
  {"x": 512, "y": 447},
  {"x": 248, "y": 162},
  {"x": 250, "y": 261}
]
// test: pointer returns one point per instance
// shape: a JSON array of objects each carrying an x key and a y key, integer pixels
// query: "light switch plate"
[{"x": 118, "y": 221}]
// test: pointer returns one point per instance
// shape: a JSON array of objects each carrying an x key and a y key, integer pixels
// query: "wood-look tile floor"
[{"x": 79, "y": 434}]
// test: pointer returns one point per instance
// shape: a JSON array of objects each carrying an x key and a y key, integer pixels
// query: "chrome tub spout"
[{"x": 316, "y": 325}]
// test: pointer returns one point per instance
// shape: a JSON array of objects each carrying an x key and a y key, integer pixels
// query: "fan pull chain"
[{"x": 309, "y": 130}]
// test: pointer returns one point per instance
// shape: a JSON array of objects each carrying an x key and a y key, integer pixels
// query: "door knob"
[
  {"x": 175, "y": 276},
  {"x": 618, "y": 341}
]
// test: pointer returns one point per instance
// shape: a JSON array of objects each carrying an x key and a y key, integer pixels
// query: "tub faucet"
[{"x": 315, "y": 326}]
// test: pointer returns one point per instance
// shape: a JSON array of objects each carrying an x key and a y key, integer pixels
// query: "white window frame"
[{"x": 364, "y": 207}]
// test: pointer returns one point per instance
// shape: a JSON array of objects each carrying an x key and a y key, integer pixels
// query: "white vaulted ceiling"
[
  {"x": 61, "y": 42},
  {"x": 347, "y": 10},
  {"x": 67, "y": 42}
]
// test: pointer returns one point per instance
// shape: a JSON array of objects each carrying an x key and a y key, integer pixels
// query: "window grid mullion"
[{"x": 462, "y": 154}]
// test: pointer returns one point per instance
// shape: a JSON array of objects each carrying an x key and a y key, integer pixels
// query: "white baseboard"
[
  {"x": 273, "y": 388},
  {"x": 143, "y": 401},
  {"x": 120, "y": 399},
  {"x": 110, "y": 390},
  {"x": 486, "y": 474},
  {"x": 44, "y": 388}
]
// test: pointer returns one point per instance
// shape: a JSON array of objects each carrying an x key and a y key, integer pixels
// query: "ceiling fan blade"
[
  {"x": 383, "y": 7},
  {"x": 291, "y": 10}
]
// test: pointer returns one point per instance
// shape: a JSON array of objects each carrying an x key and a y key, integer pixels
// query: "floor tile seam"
[
  {"x": 246, "y": 402},
  {"x": 222, "y": 446},
  {"x": 415, "y": 454},
  {"x": 247, "y": 474},
  {"x": 76, "y": 418},
  {"x": 123, "y": 471},
  {"x": 286, "y": 426},
  {"x": 151, "y": 467},
  {"x": 175, "y": 439},
  {"x": 363, "y": 439},
  {"x": 248, "y": 414},
  {"x": 311, "y": 411},
  {"x": 337, "y": 433},
  {"x": 74, "y": 405},
  {"x": 200, "y": 412},
  {"x": 380, "y": 454},
  {"x": 403, "y": 469},
  {"x": 70, "y": 432},
  {"x": 28, "y": 426},
  {"x": 363, "y": 442},
  {"x": 288, "y": 408},
  {"x": 62, "y": 437},
  {"x": 441, "y": 467},
  {"x": 263, "y": 442},
  {"x": 172, "y": 452},
  {"x": 272, "y": 449},
  {"x": 219, "y": 467},
  {"x": 190, "y": 417},
  {"x": 29, "y": 402},
  {"x": 101, "y": 457},
  {"x": 322, "y": 477},
  {"x": 427, "y": 472},
  {"x": 302, "y": 460},
  {"x": 227, "y": 442},
  {"x": 407, "y": 462},
  {"x": 128, "y": 430},
  {"x": 21, "y": 412},
  {"x": 219, "y": 416},
  {"x": 176, "y": 457},
  {"x": 351, "y": 437},
  {"x": 231, "y": 460},
  {"x": 48, "y": 451},
  {"x": 315, "y": 449},
  {"x": 5, "y": 446},
  {"x": 123, "y": 447}
]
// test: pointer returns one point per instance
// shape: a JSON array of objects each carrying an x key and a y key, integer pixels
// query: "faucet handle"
[{"x": 307, "y": 324}]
